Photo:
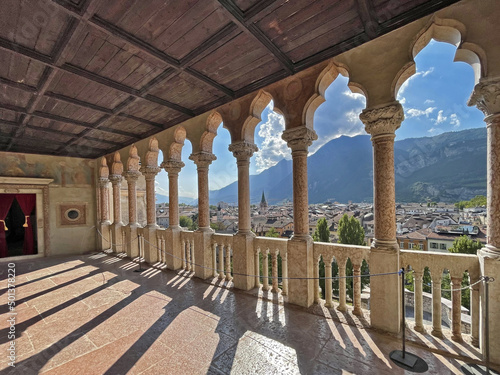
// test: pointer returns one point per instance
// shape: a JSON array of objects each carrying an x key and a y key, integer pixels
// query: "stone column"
[
  {"x": 104, "y": 223},
  {"x": 173, "y": 168},
  {"x": 150, "y": 238},
  {"x": 418, "y": 302},
  {"x": 202, "y": 244},
  {"x": 456, "y": 308},
  {"x": 300, "y": 247},
  {"x": 486, "y": 96},
  {"x": 381, "y": 123},
  {"x": 436, "y": 304},
  {"x": 131, "y": 237},
  {"x": 243, "y": 253},
  {"x": 116, "y": 230}
]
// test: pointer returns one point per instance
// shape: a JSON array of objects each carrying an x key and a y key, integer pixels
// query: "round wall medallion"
[{"x": 72, "y": 214}]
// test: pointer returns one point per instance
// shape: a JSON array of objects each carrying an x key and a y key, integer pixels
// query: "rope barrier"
[{"x": 114, "y": 244}]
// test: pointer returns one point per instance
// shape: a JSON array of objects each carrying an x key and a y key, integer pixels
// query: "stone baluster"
[
  {"x": 221, "y": 261},
  {"x": 356, "y": 272},
  {"x": 317, "y": 291},
  {"x": 265, "y": 269},
  {"x": 300, "y": 247},
  {"x": 243, "y": 259},
  {"x": 274, "y": 269},
  {"x": 183, "y": 247},
  {"x": 456, "y": 307},
  {"x": 257, "y": 268},
  {"x": 284, "y": 273},
  {"x": 342, "y": 285},
  {"x": 214, "y": 259},
  {"x": 228, "y": 263},
  {"x": 475, "y": 312},
  {"x": 381, "y": 123},
  {"x": 418, "y": 305},
  {"x": 436, "y": 304},
  {"x": 328, "y": 283}
]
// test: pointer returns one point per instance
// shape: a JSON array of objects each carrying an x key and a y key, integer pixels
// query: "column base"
[
  {"x": 203, "y": 253},
  {"x": 174, "y": 247},
  {"x": 243, "y": 260},
  {"x": 132, "y": 244},
  {"x": 300, "y": 264},
  {"x": 116, "y": 235},
  {"x": 490, "y": 267},
  {"x": 150, "y": 244},
  {"x": 490, "y": 251},
  {"x": 104, "y": 238},
  {"x": 385, "y": 291}
]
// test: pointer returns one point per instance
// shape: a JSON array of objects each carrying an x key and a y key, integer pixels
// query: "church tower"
[{"x": 263, "y": 204}]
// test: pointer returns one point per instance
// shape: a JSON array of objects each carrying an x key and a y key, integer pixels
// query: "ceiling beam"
[
  {"x": 238, "y": 17},
  {"x": 368, "y": 17}
]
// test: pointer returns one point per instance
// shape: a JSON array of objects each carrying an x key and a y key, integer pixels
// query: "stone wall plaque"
[{"x": 72, "y": 214}]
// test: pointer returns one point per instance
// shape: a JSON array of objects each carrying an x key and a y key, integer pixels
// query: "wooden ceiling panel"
[
  {"x": 8, "y": 115},
  {"x": 252, "y": 72},
  {"x": 184, "y": 90},
  {"x": 244, "y": 5},
  {"x": 35, "y": 24},
  {"x": 128, "y": 125},
  {"x": 386, "y": 9},
  {"x": 14, "y": 96},
  {"x": 48, "y": 137},
  {"x": 105, "y": 136},
  {"x": 85, "y": 142},
  {"x": 150, "y": 111},
  {"x": 55, "y": 125},
  {"x": 20, "y": 69}
]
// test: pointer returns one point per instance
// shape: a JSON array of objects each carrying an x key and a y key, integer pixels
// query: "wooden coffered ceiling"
[{"x": 86, "y": 77}]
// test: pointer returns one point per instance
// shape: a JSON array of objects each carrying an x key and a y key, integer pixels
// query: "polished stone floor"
[{"x": 92, "y": 314}]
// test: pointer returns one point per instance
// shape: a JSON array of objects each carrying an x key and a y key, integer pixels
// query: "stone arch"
[
  {"x": 324, "y": 80},
  {"x": 259, "y": 103},
  {"x": 151, "y": 159},
  {"x": 133, "y": 159},
  {"x": 207, "y": 138},
  {"x": 444, "y": 30},
  {"x": 175, "y": 148},
  {"x": 103, "y": 168},
  {"x": 117, "y": 165}
]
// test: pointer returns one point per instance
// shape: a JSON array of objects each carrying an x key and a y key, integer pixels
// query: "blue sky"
[{"x": 434, "y": 100}]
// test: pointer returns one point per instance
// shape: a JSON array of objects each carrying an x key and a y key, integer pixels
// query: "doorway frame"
[{"x": 39, "y": 187}]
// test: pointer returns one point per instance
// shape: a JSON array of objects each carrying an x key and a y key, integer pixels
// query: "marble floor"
[{"x": 92, "y": 314}]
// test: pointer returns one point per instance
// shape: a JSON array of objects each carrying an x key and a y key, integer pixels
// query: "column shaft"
[
  {"x": 173, "y": 198},
  {"x": 103, "y": 187}
]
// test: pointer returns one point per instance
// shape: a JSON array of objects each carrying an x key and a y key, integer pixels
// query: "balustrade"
[{"x": 276, "y": 249}]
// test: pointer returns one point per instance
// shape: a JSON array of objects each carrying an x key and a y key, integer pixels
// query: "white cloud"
[
  {"x": 440, "y": 117},
  {"x": 435, "y": 131},
  {"x": 429, "y": 101},
  {"x": 352, "y": 116},
  {"x": 427, "y": 72},
  {"x": 402, "y": 100},
  {"x": 406, "y": 83},
  {"x": 272, "y": 148},
  {"x": 353, "y": 95},
  {"x": 159, "y": 189},
  {"x": 413, "y": 112},
  {"x": 454, "y": 120}
]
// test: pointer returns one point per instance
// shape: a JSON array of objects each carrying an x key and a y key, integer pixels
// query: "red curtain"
[
  {"x": 5, "y": 203},
  {"x": 27, "y": 203}
]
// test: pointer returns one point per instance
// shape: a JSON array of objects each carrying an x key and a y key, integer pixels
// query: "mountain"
[
  {"x": 448, "y": 167},
  {"x": 186, "y": 200}
]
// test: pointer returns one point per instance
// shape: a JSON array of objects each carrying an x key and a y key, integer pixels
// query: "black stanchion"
[
  {"x": 402, "y": 358},
  {"x": 139, "y": 258}
]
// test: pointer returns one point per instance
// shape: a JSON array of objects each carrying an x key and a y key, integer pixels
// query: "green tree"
[
  {"x": 217, "y": 226},
  {"x": 272, "y": 233},
  {"x": 185, "y": 222},
  {"x": 351, "y": 232},
  {"x": 465, "y": 245},
  {"x": 322, "y": 234}
]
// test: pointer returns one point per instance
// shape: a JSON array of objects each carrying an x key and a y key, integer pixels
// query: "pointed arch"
[
  {"x": 207, "y": 138},
  {"x": 151, "y": 159},
  {"x": 259, "y": 103},
  {"x": 133, "y": 160},
  {"x": 117, "y": 165},
  {"x": 175, "y": 149},
  {"x": 103, "y": 169},
  {"x": 449, "y": 31}
]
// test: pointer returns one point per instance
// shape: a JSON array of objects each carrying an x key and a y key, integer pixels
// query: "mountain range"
[{"x": 445, "y": 168}]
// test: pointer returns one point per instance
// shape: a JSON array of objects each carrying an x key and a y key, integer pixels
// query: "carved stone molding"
[
  {"x": 150, "y": 172},
  {"x": 103, "y": 182},
  {"x": 242, "y": 149},
  {"x": 299, "y": 138},
  {"x": 486, "y": 96},
  {"x": 382, "y": 120},
  {"x": 116, "y": 179},
  {"x": 132, "y": 175},
  {"x": 172, "y": 166},
  {"x": 203, "y": 159}
]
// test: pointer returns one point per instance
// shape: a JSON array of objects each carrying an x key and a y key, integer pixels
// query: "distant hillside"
[
  {"x": 448, "y": 167},
  {"x": 164, "y": 199}
]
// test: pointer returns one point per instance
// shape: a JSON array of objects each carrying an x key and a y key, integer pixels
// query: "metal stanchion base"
[
  {"x": 409, "y": 362},
  {"x": 475, "y": 369}
]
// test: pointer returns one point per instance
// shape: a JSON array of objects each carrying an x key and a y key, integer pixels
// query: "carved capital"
[
  {"x": 132, "y": 176},
  {"x": 150, "y": 172},
  {"x": 103, "y": 182},
  {"x": 172, "y": 166},
  {"x": 299, "y": 138},
  {"x": 382, "y": 120},
  {"x": 242, "y": 150},
  {"x": 486, "y": 96},
  {"x": 116, "y": 179},
  {"x": 202, "y": 159}
]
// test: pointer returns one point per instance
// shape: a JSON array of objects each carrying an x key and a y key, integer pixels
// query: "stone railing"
[
  {"x": 161, "y": 246},
  {"x": 340, "y": 253},
  {"x": 437, "y": 263},
  {"x": 187, "y": 250},
  {"x": 275, "y": 250},
  {"x": 222, "y": 250}
]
